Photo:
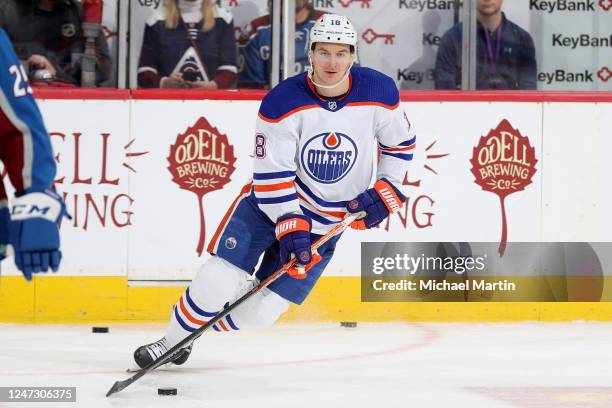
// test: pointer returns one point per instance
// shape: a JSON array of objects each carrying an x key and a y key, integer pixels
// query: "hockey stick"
[{"x": 170, "y": 354}]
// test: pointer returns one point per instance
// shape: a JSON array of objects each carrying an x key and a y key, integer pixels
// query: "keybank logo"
[
  {"x": 364, "y": 3},
  {"x": 560, "y": 75},
  {"x": 422, "y": 5},
  {"x": 150, "y": 3},
  {"x": 330, "y": 4},
  {"x": 549, "y": 6},
  {"x": 415, "y": 76},
  {"x": 369, "y": 36},
  {"x": 604, "y": 74},
  {"x": 582, "y": 40},
  {"x": 431, "y": 39}
]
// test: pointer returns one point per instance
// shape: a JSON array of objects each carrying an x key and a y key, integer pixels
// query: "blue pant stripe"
[
  {"x": 231, "y": 322},
  {"x": 197, "y": 309},
  {"x": 181, "y": 322}
]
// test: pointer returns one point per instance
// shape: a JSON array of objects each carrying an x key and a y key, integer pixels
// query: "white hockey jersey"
[{"x": 313, "y": 155}]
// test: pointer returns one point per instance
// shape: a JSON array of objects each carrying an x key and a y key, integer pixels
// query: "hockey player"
[
  {"x": 25, "y": 150},
  {"x": 316, "y": 138},
  {"x": 255, "y": 45}
]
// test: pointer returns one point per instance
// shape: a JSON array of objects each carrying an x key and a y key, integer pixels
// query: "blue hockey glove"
[
  {"x": 293, "y": 234},
  {"x": 34, "y": 233},
  {"x": 377, "y": 202},
  {"x": 5, "y": 228}
]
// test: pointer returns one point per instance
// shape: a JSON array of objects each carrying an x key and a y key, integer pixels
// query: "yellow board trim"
[{"x": 77, "y": 299}]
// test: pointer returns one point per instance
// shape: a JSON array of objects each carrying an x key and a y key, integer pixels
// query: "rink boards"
[{"x": 131, "y": 246}]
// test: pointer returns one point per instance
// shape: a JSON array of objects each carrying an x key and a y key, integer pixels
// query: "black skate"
[{"x": 145, "y": 355}]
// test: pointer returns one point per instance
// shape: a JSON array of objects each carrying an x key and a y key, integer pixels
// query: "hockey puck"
[
  {"x": 99, "y": 329},
  {"x": 348, "y": 324},
  {"x": 166, "y": 391}
]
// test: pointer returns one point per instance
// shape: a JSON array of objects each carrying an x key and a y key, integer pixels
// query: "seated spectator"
[
  {"x": 255, "y": 46},
  {"x": 8, "y": 16},
  {"x": 505, "y": 53},
  {"x": 189, "y": 45},
  {"x": 49, "y": 37}
]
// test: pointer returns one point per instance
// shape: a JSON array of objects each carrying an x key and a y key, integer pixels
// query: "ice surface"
[{"x": 320, "y": 366}]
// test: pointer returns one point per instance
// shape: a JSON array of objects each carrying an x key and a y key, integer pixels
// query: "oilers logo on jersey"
[{"x": 329, "y": 156}]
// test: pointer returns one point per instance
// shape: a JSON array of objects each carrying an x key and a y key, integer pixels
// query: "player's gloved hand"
[
  {"x": 293, "y": 234},
  {"x": 35, "y": 231},
  {"x": 377, "y": 202},
  {"x": 5, "y": 228}
]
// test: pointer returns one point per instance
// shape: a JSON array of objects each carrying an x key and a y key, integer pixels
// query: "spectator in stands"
[
  {"x": 49, "y": 37},
  {"x": 254, "y": 46},
  {"x": 505, "y": 53},
  {"x": 8, "y": 16},
  {"x": 190, "y": 44}
]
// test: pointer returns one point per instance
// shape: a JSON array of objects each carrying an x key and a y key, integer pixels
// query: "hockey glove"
[
  {"x": 293, "y": 234},
  {"x": 35, "y": 231},
  {"x": 5, "y": 228},
  {"x": 377, "y": 202}
]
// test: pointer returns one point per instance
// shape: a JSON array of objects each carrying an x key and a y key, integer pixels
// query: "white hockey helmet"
[{"x": 333, "y": 28}]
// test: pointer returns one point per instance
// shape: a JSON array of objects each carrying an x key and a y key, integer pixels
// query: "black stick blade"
[{"x": 118, "y": 386}]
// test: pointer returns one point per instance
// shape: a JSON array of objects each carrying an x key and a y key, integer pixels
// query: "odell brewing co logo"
[
  {"x": 328, "y": 157},
  {"x": 201, "y": 161},
  {"x": 503, "y": 163}
]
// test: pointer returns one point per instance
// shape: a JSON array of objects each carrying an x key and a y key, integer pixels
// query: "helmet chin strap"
[{"x": 311, "y": 74}]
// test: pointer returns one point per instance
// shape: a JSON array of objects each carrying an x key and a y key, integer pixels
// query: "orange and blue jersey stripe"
[
  {"x": 319, "y": 210},
  {"x": 321, "y": 202},
  {"x": 274, "y": 187},
  {"x": 399, "y": 151}
]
